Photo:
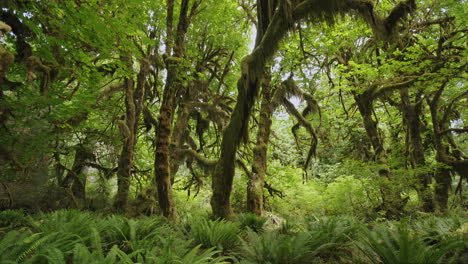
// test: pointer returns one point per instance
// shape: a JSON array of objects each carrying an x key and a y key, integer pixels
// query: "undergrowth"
[{"x": 71, "y": 236}]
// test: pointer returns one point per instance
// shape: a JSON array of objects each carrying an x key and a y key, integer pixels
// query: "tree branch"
[
  {"x": 203, "y": 161},
  {"x": 457, "y": 130}
]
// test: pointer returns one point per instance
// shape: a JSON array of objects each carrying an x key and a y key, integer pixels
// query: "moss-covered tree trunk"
[
  {"x": 411, "y": 116},
  {"x": 31, "y": 196},
  {"x": 172, "y": 89},
  {"x": 284, "y": 15},
  {"x": 442, "y": 175},
  {"x": 75, "y": 179},
  {"x": 134, "y": 97},
  {"x": 162, "y": 155},
  {"x": 259, "y": 167},
  {"x": 178, "y": 135},
  {"x": 391, "y": 198},
  {"x": 441, "y": 192},
  {"x": 126, "y": 126}
]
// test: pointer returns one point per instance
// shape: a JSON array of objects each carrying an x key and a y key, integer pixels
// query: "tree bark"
[
  {"x": 442, "y": 187},
  {"x": 178, "y": 135},
  {"x": 392, "y": 203},
  {"x": 442, "y": 177},
  {"x": 127, "y": 153},
  {"x": 257, "y": 177},
  {"x": 172, "y": 89},
  {"x": 134, "y": 97},
  {"x": 161, "y": 161},
  {"x": 75, "y": 179},
  {"x": 411, "y": 116}
]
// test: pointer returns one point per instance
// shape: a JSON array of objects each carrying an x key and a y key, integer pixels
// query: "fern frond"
[{"x": 35, "y": 241}]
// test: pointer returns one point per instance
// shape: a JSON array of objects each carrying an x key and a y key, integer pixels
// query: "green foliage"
[
  {"x": 398, "y": 244},
  {"x": 215, "y": 233},
  {"x": 252, "y": 222},
  {"x": 344, "y": 195},
  {"x": 433, "y": 229},
  {"x": 13, "y": 218},
  {"x": 355, "y": 195},
  {"x": 86, "y": 45},
  {"x": 276, "y": 248},
  {"x": 324, "y": 238},
  {"x": 193, "y": 256},
  {"x": 116, "y": 239},
  {"x": 82, "y": 237},
  {"x": 331, "y": 232}
]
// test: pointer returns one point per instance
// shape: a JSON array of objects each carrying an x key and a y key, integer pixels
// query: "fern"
[
  {"x": 206, "y": 257},
  {"x": 399, "y": 245},
  {"x": 35, "y": 241},
  {"x": 12, "y": 218},
  {"x": 67, "y": 223},
  {"x": 54, "y": 256},
  {"x": 8, "y": 244},
  {"x": 276, "y": 248},
  {"x": 330, "y": 236},
  {"x": 219, "y": 233},
  {"x": 255, "y": 223}
]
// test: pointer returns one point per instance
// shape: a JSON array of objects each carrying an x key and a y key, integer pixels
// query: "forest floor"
[{"x": 72, "y": 236}]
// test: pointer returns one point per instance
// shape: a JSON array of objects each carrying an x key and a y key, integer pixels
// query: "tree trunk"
[
  {"x": 252, "y": 67},
  {"x": 172, "y": 89},
  {"x": 411, "y": 116},
  {"x": 134, "y": 97},
  {"x": 442, "y": 175},
  {"x": 178, "y": 135},
  {"x": 259, "y": 167},
  {"x": 441, "y": 193},
  {"x": 78, "y": 185},
  {"x": 162, "y": 155},
  {"x": 391, "y": 198},
  {"x": 127, "y": 129},
  {"x": 75, "y": 180},
  {"x": 31, "y": 196}
]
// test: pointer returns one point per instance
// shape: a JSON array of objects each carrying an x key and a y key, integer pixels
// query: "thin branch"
[{"x": 456, "y": 130}]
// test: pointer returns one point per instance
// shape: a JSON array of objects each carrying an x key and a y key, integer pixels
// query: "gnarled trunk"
[
  {"x": 259, "y": 166},
  {"x": 127, "y": 128},
  {"x": 442, "y": 187},
  {"x": 162, "y": 155},
  {"x": 411, "y": 116},
  {"x": 392, "y": 203},
  {"x": 134, "y": 96},
  {"x": 178, "y": 135},
  {"x": 76, "y": 179},
  {"x": 172, "y": 89}
]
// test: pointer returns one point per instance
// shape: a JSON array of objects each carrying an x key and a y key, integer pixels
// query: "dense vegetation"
[{"x": 236, "y": 131}]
